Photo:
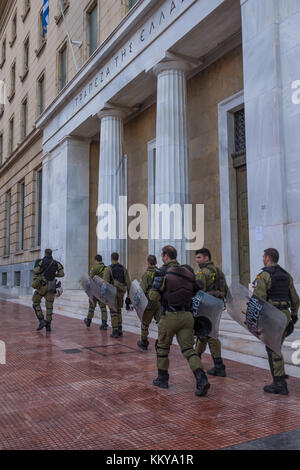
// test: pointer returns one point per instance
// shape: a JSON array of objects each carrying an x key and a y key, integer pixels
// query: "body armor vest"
[
  {"x": 48, "y": 269},
  {"x": 280, "y": 284},
  {"x": 159, "y": 277},
  {"x": 218, "y": 283},
  {"x": 117, "y": 271},
  {"x": 100, "y": 269},
  {"x": 180, "y": 287},
  {"x": 150, "y": 282}
]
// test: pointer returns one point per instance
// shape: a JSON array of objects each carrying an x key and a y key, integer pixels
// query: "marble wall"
[
  {"x": 222, "y": 79},
  {"x": 271, "y": 48},
  {"x": 65, "y": 220}
]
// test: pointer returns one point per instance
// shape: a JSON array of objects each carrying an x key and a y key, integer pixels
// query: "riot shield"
[
  {"x": 209, "y": 307},
  {"x": 105, "y": 292},
  {"x": 138, "y": 299},
  {"x": 259, "y": 317},
  {"x": 88, "y": 287},
  {"x": 202, "y": 328}
]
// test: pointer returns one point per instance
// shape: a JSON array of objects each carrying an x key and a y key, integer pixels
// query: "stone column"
[
  {"x": 271, "y": 38},
  {"x": 171, "y": 172},
  {"x": 65, "y": 207},
  {"x": 111, "y": 230}
]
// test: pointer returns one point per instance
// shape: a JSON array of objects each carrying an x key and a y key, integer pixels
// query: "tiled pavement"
[{"x": 102, "y": 397}]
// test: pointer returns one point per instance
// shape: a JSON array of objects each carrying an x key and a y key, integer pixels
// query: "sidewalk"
[{"x": 77, "y": 388}]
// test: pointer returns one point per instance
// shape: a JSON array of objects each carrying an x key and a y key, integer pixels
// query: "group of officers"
[{"x": 169, "y": 291}]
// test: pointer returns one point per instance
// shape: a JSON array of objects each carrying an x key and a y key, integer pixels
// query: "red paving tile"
[{"x": 103, "y": 398}]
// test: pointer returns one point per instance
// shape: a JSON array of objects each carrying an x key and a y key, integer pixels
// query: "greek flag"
[{"x": 45, "y": 15}]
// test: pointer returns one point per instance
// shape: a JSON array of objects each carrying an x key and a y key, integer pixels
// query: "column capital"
[
  {"x": 173, "y": 61},
  {"x": 111, "y": 110}
]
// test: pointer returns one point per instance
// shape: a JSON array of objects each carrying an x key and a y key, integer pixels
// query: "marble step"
[
  {"x": 233, "y": 327},
  {"x": 251, "y": 346}
]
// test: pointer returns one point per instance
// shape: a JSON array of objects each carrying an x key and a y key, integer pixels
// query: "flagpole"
[{"x": 68, "y": 34}]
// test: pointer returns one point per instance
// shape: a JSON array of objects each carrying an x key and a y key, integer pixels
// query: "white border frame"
[
  {"x": 228, "y": 203},
  {"x": 151, "y": 146}
]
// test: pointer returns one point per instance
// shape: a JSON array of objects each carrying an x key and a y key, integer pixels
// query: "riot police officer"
[
  {"x": 118, "y": 276},
  {"x": 276, "y": 286},
  {"x": 97, "y": 270},
  {"x": 45, "y": 272},
  {"x": 153, "y": 307},
  {"x": 214, "y": 283},
  {"x": 175, "y": 286}
]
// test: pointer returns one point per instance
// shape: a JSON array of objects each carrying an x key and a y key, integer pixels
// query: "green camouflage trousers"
[
  {"x": 92, "y": 310},
  {"x": 49, "y": 300},
  {"x": 276, "y": 362},
  {"x": 152, "y": 312},
  {"x": 180, "y": 324},
  {"x": 214, "y": 346},
  {"x": 116, "y": 315}
]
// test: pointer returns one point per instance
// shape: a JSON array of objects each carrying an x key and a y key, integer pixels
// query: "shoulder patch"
[{"x": 255, "y": 282}]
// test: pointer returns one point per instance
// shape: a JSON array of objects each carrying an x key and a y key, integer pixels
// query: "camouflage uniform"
[
  {"x": 116, "y": 315},
  {"x": 153, "y": 308},
  {"x": 97, "y": 270},
  {"x": 262, "y": 287},
  {"x": 214, "y": 283},
  {"x": 181, "y": 324},
  {"x": 42, "y": 290}
]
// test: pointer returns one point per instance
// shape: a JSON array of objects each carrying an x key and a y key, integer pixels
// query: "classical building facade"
[
  {"x": 34, "y": 69},
  {"x": 181, "y": 101}
]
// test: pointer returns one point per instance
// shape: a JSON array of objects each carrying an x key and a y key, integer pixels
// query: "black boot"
[
  {"x": 104, "y": 325},
  {"x": 162, "y": 379},
  {"x": 120, "y": 332},
  {"x": 41, "y": 325},
  {"x": 115, "y": 333},
  {"x": 143, "y": 344},
  {"x": 219, "y": 369},
  {"x": 202, "y": 383},
  {"x": 88, "y": 322},
  {"x": 269, "y": 352},
  {"x": 279, "y": 386},
  {"x": 48, "y": 325}
]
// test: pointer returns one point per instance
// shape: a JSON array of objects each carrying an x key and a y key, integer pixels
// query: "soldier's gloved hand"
[
  {"x": 294, "y": 319},
  {"x": 128, "y": 303}
]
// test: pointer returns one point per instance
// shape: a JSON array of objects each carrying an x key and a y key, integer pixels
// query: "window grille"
[
  {"x": 4, "y": 279},
  {"x": 17, "y": 278}
]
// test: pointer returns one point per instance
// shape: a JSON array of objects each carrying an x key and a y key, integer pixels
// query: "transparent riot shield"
[
  {"x": 209, "y": 307},
  {"x": 259, "y": 317},
  {"x": 88, "y": 287},
  {"x": 202, "y": 328},
  {"x": 105, "y": 292},
  {"x": 138, "y": 299}
]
